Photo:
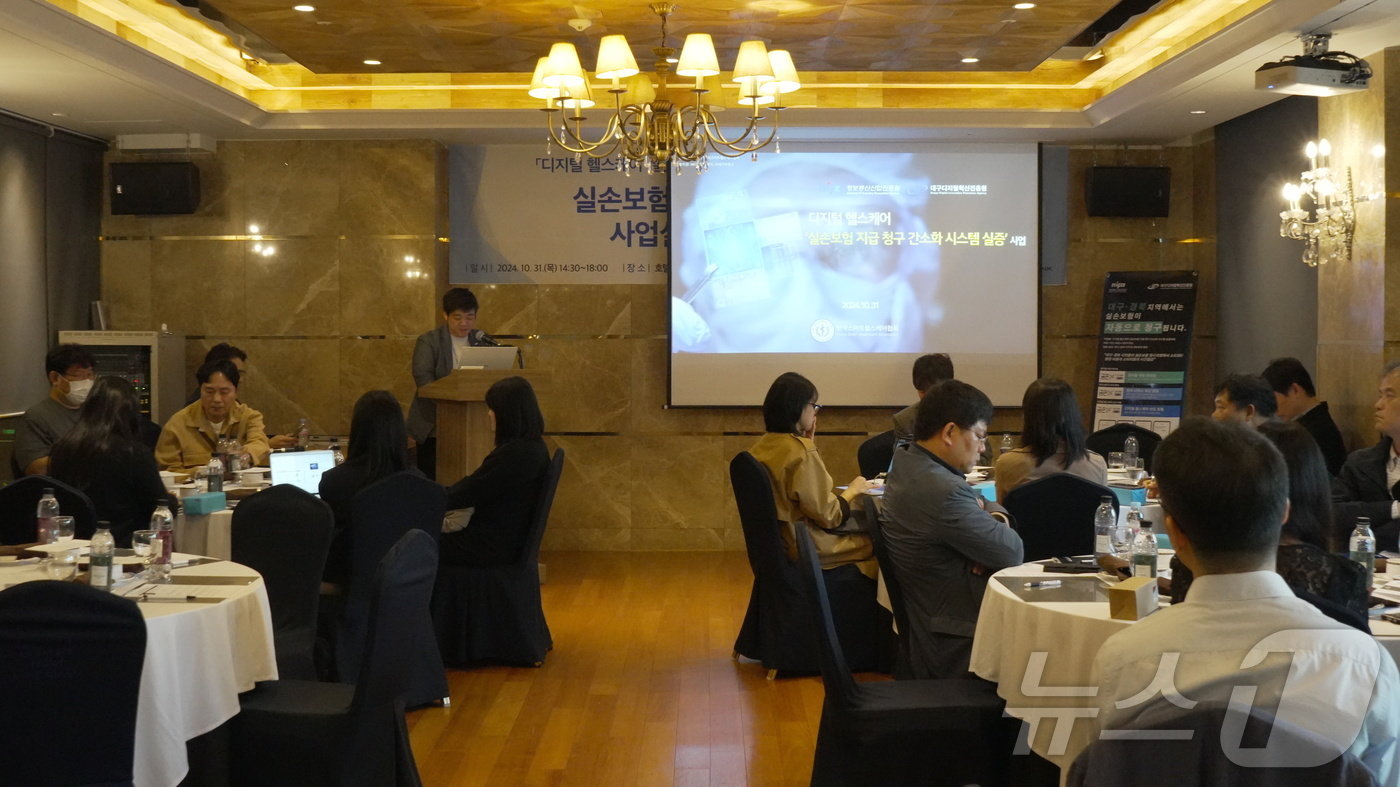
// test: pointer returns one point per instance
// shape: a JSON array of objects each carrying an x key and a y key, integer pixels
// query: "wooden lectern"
[{"x": 464, "y": 435}]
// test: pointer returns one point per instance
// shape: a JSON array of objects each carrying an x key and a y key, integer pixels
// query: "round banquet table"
[
  {"x": 199, "y": 657},
  {"x": 1038, "y": 646}
]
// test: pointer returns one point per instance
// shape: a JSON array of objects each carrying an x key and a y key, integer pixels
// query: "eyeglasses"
[
  {"x": 980, "y": 436},
  {"x": 815, "y": 406}
]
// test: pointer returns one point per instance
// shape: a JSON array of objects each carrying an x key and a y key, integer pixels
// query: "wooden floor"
[{"x": 639, "y": 690}]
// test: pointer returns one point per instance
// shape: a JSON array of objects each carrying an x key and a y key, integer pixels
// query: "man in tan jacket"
[{"x": 192, "y": 434}]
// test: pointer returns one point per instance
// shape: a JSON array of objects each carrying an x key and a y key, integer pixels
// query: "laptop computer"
[
  {"x": 486, "y": 357},
  {"x": 301, "y": 468}
]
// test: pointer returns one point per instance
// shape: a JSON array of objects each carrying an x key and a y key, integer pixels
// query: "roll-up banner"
[{"x": 1144, "y": 349}]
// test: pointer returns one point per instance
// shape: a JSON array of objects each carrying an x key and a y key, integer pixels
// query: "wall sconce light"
[{"x": 1330, "y": 216}]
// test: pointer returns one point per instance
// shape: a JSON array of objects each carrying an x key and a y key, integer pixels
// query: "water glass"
[
  {"x": 1122, "y": 541},
  {"x": 63, "y": 528},
  {"x": 147, "y": 546},
  {"x": 1135, "y": 469},
  {"x": 1115, "y": 460},
  {"x": 62, "y": 565}
]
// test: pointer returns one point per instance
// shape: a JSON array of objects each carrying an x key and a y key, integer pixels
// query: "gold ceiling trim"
[{"x": 182, "y": 40}]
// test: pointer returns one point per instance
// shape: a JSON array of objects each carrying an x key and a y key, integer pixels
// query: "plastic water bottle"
[
  {"x": 1363, "y": 548},
  {"x": 215, "y": 473},
  {"x": 48, "y": 509},
  {"x": 1104, "y": 525},
  {"x": 303, "y": 434},
  {"x": 100, "y": 574},
  {"x": 1135, "y": 518},
  {"x": 164, "y": 523},
  {"x": 335, "y": 450},
  {"x": 1144, "y": 550},
  {"x": 1006, "y": 444},
  {"x": 1130, "y": 449}
]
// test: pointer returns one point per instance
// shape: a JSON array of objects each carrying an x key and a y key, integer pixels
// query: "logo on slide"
[{"x": 823, "y": 330}]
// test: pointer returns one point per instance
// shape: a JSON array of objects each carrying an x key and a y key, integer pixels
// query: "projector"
[{"x": 1316, "y": 72}]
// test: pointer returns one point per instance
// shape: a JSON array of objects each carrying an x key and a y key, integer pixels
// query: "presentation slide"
[{"x": 846, "y": 266}]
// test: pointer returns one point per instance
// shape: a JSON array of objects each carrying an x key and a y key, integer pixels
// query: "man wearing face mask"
[{"x": 70, "y": 371}]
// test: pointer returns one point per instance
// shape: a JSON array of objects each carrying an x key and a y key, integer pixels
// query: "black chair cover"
[
  {"x": 284, "y": 534},
  {"x": 494, "y": 612},
  {"x": 70, "y": 674},
  {"x": 1055, "y": 514},
  {"x": 380, "y": 515},
  {"x": 902, "y": 670},
  {"x": 19, "y": 501},
  {"x": 944, "y": 732},
  {"x": 775, "y": 630},
  {"x": 875, "y": 454},
  {"x": 1111, "y": 439},
  {"x": 307, "y": 733},
  {"x": 1275, "y": 753}
]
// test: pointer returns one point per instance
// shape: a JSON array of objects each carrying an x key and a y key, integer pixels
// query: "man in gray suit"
[
  {"x": 929, "y": 370},
  {"x": 434, "y": 357},
  {"x": 943, "y": 537}
]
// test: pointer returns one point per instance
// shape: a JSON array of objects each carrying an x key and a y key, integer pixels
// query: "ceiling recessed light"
[
  {"x": 970, "y": 59},
  {"x": 1023, "y": 6},
  {"x": 305, "y": 9},
  {"x": 1198, "y": 111},
  {"x": 373, "y": 63}
]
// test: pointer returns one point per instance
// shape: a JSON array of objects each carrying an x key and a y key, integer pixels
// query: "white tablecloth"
[
  {"x": 1017, "y": 640},
  {"x": 199, "y": 657}
]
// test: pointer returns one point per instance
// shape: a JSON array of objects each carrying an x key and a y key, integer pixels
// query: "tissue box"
[
  {"x": 1133, "y": 599},
  {"x": 206, "y": 503},
  {"x": 1130, "y": 496}
]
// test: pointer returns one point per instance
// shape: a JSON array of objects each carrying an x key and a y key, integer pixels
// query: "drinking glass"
[
  {"x": 147, "y": 545},
  {"x": 62, "y": 565},
  {"x": 1115, "y": 460},
  {"x": 1122, "y": 541},
  {"x": 63, "y": 528},
  {"x": 1135, "y": 469}
]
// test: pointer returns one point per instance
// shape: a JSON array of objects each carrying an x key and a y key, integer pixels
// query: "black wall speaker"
[
  {"x": 1128, "y": 191},
  {"x": 163, "y": 188}
]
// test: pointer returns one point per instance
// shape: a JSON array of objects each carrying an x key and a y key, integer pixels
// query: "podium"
[{"x": 464, "y": 435}]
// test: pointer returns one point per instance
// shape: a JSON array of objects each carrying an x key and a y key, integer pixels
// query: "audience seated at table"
[
  {"x": 103, "y": 456},
  {"x": 1052, "y": 440},
  {"x": 1246, "y": 398},
  {"x": 802, "y": 488},
  {"x": 378, "y": 448},
  {"x": 1305, "y": 560},
  {"x": 1224, "y": 493},
  {"x": 1297, "y": 402},
  {"x": 70, "y": 373},
  {"x": 1369, "y": 482},
  {"x": 223, "y": 351},
  {"x": 505, "y": 489},
  {"x": 191, "y": 435},
  {"x": 929, "y": 370},
  {"x": 943, "y": 541}
]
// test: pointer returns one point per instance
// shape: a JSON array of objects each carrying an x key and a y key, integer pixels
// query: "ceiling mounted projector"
[{"x": 1316, "y": 72}]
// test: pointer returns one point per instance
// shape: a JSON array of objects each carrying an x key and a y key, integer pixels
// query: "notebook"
[{"x": 301, "y": 468}]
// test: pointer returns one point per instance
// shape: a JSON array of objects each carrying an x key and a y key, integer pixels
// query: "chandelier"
[
  {"x": 1330, "y": 215},
  {"x": 649, "y": 130}
]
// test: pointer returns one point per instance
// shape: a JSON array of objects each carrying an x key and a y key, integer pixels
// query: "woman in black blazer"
[{"x": 505, "y": 489}]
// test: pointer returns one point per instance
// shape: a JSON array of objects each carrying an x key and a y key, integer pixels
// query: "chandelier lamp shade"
[
  {"x": 648, "y": 125},
  {"x": 1327, "y": 223}
]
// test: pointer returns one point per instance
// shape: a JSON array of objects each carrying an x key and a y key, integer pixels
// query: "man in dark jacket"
[
  {"x": 1367, "y": 484},
  {"x": 1297, "y": 401}
]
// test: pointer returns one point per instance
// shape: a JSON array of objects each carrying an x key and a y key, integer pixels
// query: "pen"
[
  {"x": 1043, "y": 583},
  {"x": 163, "y": 599}
]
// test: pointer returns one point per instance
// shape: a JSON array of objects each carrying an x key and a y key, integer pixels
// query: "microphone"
[{"x": 479, "y": 338}]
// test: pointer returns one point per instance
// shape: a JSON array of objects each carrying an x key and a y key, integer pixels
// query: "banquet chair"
[
  {"x": 776, "y": 631},
  {"x": 70, "y": 671},
  {"x": 19, "y": 500},
  {"x": 1111, "y": 438},
  {"x": 875, "y": 454},
  {"x": 308, "y": 733},
  {"x": 902, "y": 670},
  {"x": 494, "y": 613},
  {"x": 945, "y": 731},
  {"x": 381, "y": 514},
  {"x": 1263, "y": 751},
  {"x": 284, "y": 534},
  {"x": 1055, "y": 515}
]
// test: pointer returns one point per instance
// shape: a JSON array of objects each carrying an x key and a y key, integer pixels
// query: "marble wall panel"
[
  {"x": 295, "y": 290},
  {"x": 290, "y": 188},
  {"x": 678, "y": 483},
  {"x": 374, "y": 364},
  {"x": 295, "y": 378},
  {"x": 506, "y": 309},
  {"x": 127, "y": 284},
  {"x": 388, "y": 187},
  {"x": 577, "y": 310},
  {"x": 198, "y": 287},
  {"x": 651, "y": 309},
  {"x": 595, "y": 491},
  {"x": 380, "y": 293},
  {"x": 589, "y": 390}
]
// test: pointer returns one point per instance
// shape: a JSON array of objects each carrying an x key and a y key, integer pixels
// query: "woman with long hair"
[
  {"x": 103, "y": 456},
  {"x": 1305, "y": 560},
  {"x": 505, "y": 489},
  {"x": 378, "y": 448},
  {"x": 1052, "y": 440},
  {"x": 802, "y": 486}
]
